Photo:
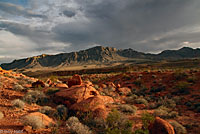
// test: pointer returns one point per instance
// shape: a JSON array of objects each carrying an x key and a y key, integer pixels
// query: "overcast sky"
[{"x": 33, "y": 27}]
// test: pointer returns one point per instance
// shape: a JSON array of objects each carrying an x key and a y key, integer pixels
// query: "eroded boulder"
[{"x": 161, "y": 126}]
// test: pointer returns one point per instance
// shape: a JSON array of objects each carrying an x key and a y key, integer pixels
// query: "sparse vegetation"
[
  {"x": 37, "y": 97},
  {"x": 141, "y": 101},
  {"x": 18, "y": 103},
  {"x": 116, "y": 123},
  {"x": 146, "y": 120},
  {"x": 178, "y": 128},
  {"x": 62, "y": 112},
  {"x": 76, "y": 127},
  {"x": 34, "y": 121},
  {"x": 47, "y": 110},
  {"x": 18, "y": 87},
  {"x": 127, "y": 108}
]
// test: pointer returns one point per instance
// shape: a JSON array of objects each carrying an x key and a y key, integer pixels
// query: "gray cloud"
[
  {"x": 69, "y": 13},
  {"x": 144, "y": 25},
  {"x": 18, "y": 10}
]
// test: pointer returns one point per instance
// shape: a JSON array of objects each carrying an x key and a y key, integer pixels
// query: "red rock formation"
[
  {"x": 75, "y": 80},
  {"x": 38, "y": 83},
  {"x": 75, "y": 94},
  {"x": 60, "y": 85},
  {"x": 95, "y": 104},
  {"x": 161, "y": 126}
]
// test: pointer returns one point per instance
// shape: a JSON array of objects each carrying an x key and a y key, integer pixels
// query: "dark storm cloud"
[
  {"x": 124, "y": 23},
  {"x": 18, "y": 10},
  {"x": 69, "y": 13}
]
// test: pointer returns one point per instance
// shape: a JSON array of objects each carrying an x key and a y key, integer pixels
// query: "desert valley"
[{"x": 152, "y": 96}]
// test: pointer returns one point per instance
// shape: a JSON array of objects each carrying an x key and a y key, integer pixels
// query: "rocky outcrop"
[
  {"x": 75, "y": 94},
  {"x": 161, "y": 126},
  {"x": 96, "y": 104},
  {"x": 75, "y": 80},
  {"x": 38, "y": 83}
]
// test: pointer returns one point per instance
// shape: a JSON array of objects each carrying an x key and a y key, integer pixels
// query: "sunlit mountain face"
[{"x": 34, "y": 27}]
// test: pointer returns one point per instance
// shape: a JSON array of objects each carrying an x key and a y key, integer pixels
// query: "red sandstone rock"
[
  {"x": 95, "y": 104},
  {"x": 161, "y": 126},
  {"x": 75, "y": 80},
  {"x": 60, "y": 85},
  {"x": 38, "y": 83},
  {"x": 76, "y": 94}
]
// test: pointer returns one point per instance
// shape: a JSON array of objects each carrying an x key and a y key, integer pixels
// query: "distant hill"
[{"x": 97, "y": 55}]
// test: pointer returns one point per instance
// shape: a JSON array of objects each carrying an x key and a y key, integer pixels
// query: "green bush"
[
  {"x": 127, "y": 108},
  {"x": 75, "y": 127},
  {"x": 141, "y": 101},
  {"x": 179, "y": 129},
  {"x": 1, "y": 115},
  {"x": 37, "y": 97},
  {"x": 18, "y": 103},
  {"x": 147, "y": 119},
  {"x": 34, "y": 121},
  {"x": 116, "y": 123}
]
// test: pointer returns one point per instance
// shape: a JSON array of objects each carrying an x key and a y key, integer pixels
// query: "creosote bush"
[
  {"x": 178, "y": 128},
  {"x": 1, "y": 115},
  {"x": 76, "y": 127},
  {"x": 18, "y": 103},
  {"x": 127, "y": 108},
  {"x": 37, "y": 97}
]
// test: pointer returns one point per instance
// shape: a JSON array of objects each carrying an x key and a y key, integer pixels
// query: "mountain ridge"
[{"x": 98, "y": 54}]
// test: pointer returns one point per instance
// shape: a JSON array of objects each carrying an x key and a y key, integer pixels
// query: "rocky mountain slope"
[{"x": 99, "y": 55}]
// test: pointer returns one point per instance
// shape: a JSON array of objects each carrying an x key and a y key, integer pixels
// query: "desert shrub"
[
  {"x": 147, "y": 119},
  {"x": 18, "y": 103},
  {"x": 62, "y": 112},
  {"x": 169, "y": 103},
  {"x": 75, "y": 127},
  {"x": 37, "y": 97},
  {"x": 173, "y": 114},
  {"x": 141, "y": 101},
  {"x": 117, "y": 123},
  {"x": 1, "y": 115},
  {"x": 128, "y": 108},
  {"x": 34, "y": 121},
  {"x": 46, "y": 110},
  {"x": 157, "y": 89},
  {"x": 18, "y": 87},
  {"x": 182, "y": 87},
  {"x": 130, "y": 99},
  {"x": 161, "y": 112},
  {"x": 180, "y": 75},
  {"x": 138, "y": 82},
  {"x": 178, "y": 128}
]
